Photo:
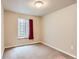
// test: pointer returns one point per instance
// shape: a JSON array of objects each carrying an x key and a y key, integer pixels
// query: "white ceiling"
[{"x": 27, "y": 7}]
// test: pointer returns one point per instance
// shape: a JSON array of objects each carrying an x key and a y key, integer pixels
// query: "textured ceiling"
[{"x": 27, "y": 6}]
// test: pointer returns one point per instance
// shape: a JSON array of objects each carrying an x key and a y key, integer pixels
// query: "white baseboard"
[
  {"x": 21, "y": 45},
  {"x": 58, "y": 49}
]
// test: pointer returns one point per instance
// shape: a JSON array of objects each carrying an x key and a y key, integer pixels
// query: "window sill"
[{"x": 22, "y": 38}]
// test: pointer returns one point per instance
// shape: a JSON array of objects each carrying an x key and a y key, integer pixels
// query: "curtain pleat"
[{"x": 31, "y": 36}]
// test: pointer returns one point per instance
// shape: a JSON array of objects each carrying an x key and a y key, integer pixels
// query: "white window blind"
[{"x": 23, "y": 28}]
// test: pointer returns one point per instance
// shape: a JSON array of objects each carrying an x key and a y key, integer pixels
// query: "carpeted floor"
[{"x": 36, "y": 51}]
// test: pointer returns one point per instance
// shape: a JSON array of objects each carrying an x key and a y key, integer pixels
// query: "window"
[{"x": 23, "y": 28}]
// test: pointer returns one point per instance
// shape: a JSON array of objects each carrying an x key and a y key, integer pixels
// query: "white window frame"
[{"x": 23, "y": 23}]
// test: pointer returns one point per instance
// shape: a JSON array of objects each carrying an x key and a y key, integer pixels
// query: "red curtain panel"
[{"x": 31, "y": 36}]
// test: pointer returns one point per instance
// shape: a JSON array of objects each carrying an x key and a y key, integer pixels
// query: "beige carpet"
[{"x": 37, "y": 51}]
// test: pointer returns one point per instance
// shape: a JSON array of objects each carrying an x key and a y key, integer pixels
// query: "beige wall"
[
  {"x": 2, "y": 30},
  {"x": 11, "y": 29},
  {"x": 59, "y": 30}
]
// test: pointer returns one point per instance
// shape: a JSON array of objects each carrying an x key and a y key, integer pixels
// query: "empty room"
[{"x": 38, "y": 29}]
